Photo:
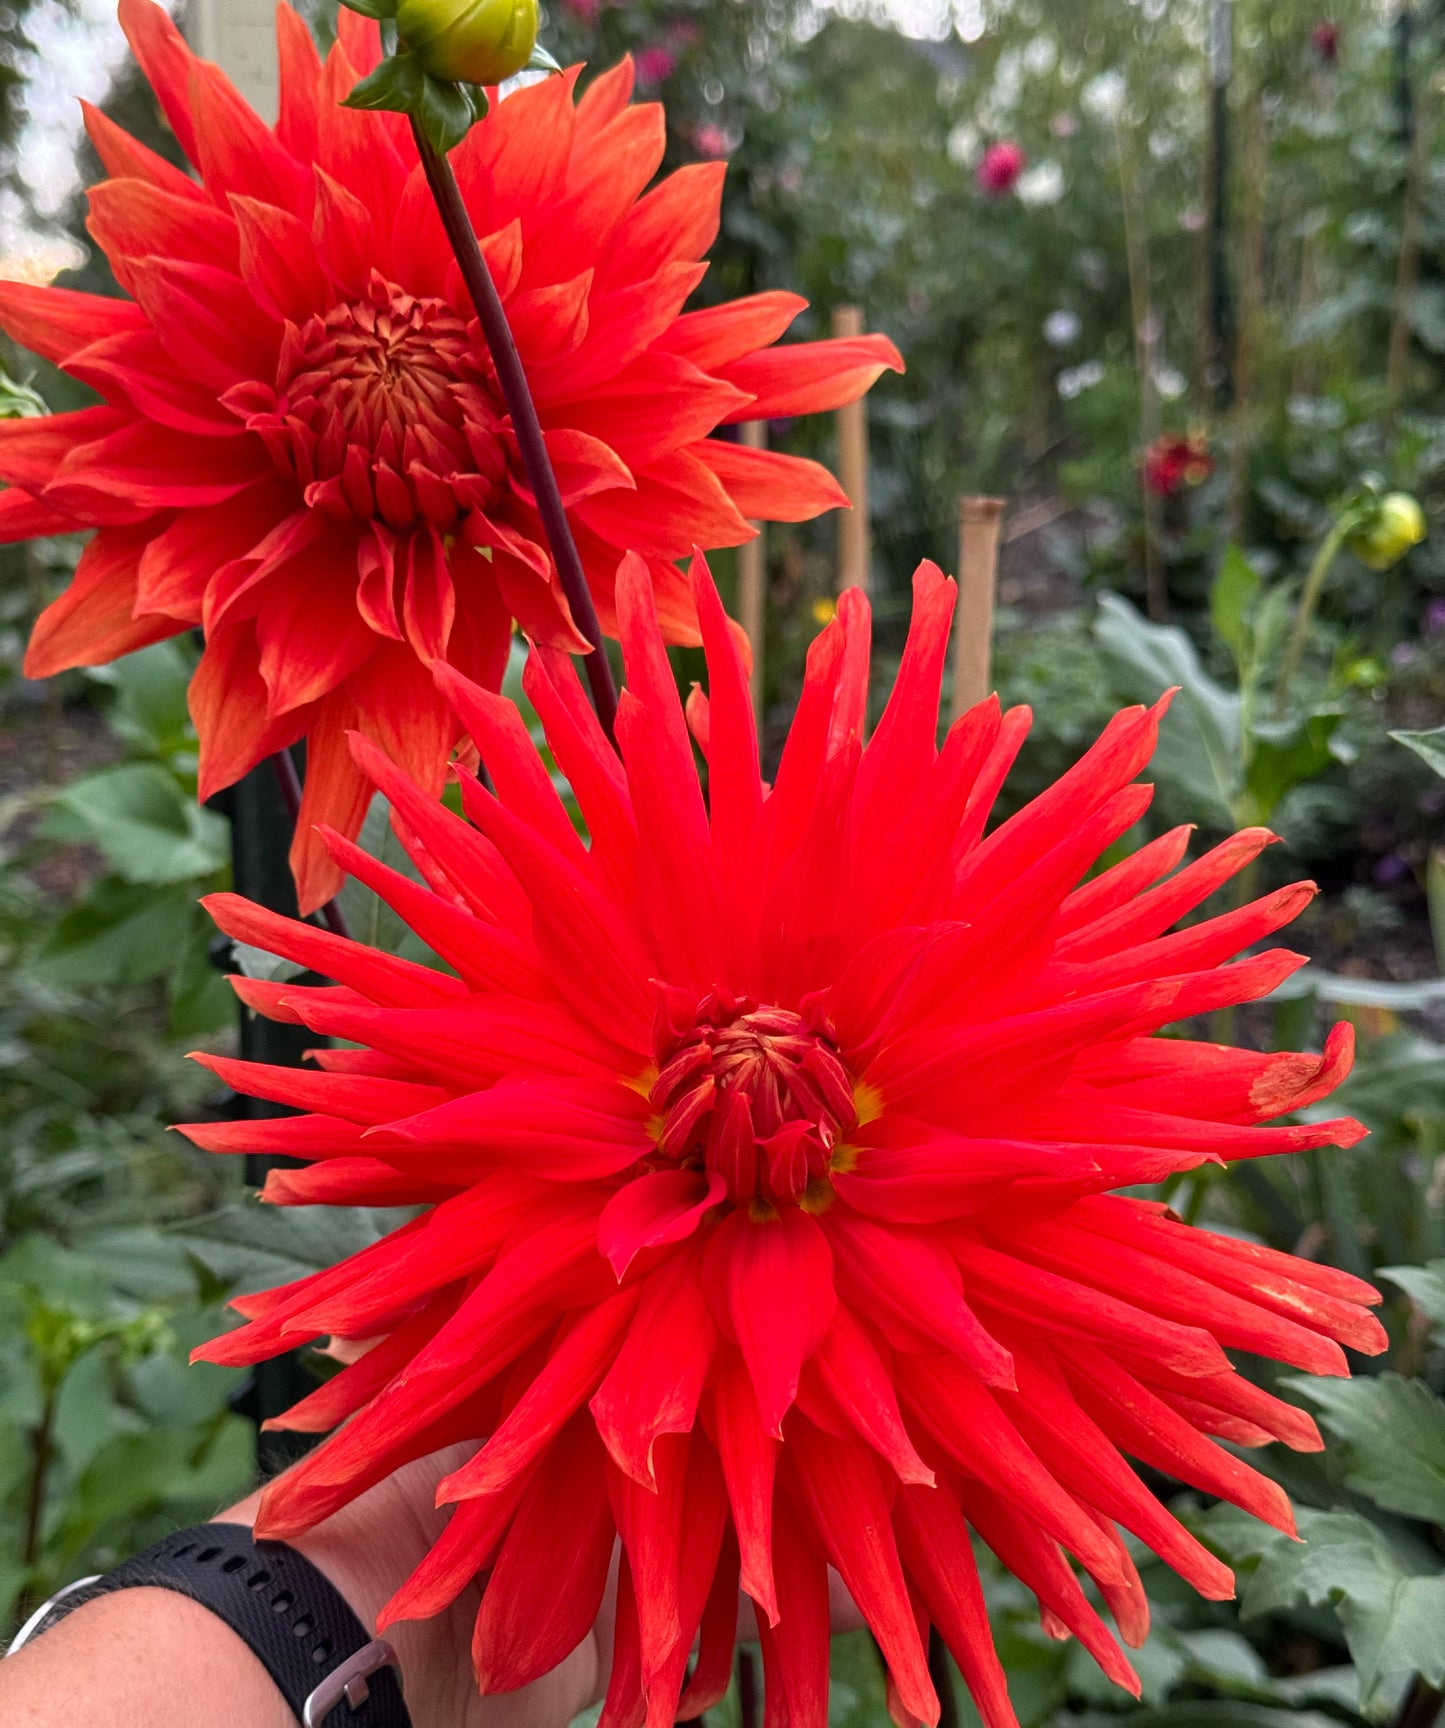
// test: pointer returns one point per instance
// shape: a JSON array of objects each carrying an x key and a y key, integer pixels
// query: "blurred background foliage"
[{"x": 1205, "y": 301}]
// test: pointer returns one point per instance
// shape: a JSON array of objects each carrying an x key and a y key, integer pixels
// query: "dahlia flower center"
[
  {"x": 384, "y": 408},
  {"x": 757, "y": 1094}
]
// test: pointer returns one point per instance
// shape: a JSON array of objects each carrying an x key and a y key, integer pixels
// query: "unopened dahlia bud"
[
  {"x": 469, "y": 41},
  {"x": 1387, "y": 534}
]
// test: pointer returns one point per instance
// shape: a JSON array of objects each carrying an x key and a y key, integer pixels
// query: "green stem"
[
  {"x": 1308, "y": 601},
  {"x": 40, "y": 1452}
]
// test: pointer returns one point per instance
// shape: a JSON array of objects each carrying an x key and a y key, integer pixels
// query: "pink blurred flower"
[
  {"x": 584, "y": 11},
  {"x": 1325, "y": 38},
  {"x": 713, "y": 140},
  {"x": 1000, "y": 167},
  {"x": 654, "y": 65}
]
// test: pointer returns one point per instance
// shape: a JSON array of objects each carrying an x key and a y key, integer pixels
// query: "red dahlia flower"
[
  {"x": 766, "y": 1149},
  {"x": 302, "y": 447},
  {"x": 1176, "y": 460}
]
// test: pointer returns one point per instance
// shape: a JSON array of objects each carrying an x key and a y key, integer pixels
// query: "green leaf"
[
  {"x": 150, "y": 709},
  {"x": 121, "y": 933},
  {"x": 1391, "y": 1609},
  {"x": 1392, "y": 1439},
  {"x": 1231, "y": 600},
  {"x": 394, "y": 87},
  {"x": 1282, "y": 757},
  {"x": 250, "y": 1246},
  {"x": 372, "y": 8},
  {"x": 1425, "y": 1286},
  {"x": 447, "y": 111},
  {"x": 1200, "y": 741},
  {"x": 1430, "y": 746},
  {"x": 148, "y": 829},
  {"x": 1205, "y": 1713}
]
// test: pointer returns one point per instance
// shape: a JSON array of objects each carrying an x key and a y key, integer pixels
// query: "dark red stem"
[
  {"x": 289, "y": 781},
  {"x": 518, "y": 397}
]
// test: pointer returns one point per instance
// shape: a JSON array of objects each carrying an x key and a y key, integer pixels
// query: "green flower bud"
[
  {"x": 469, "y": 41},
  {"x": 1395, "y": 525}
]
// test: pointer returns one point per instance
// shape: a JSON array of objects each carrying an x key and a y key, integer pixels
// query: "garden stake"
[
  {"x": 853, "y": 549},
  {"x": 980, "y": 520},
  {"x": 518, "y": 396},
  {"x": 753, "y": 577}
]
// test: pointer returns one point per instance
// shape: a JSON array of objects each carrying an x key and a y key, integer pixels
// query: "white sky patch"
[{"x": 77, "y": 53}]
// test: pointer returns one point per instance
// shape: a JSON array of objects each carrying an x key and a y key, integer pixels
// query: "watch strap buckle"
[{"x": 347, "y": 1683}]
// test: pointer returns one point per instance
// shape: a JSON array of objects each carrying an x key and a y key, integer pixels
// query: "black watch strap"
[{"x": 328, "y": 1667}]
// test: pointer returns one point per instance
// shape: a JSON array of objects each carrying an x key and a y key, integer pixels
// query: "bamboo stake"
[
  {"x": 853, "y": 549},
  {"x": 753, "y": 578},
  {"x": 979, "y": 522}
]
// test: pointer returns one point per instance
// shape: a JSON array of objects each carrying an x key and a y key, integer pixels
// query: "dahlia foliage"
[
  {"x": 765, "y": 1147},
  {"x": 302, "y": 447}
]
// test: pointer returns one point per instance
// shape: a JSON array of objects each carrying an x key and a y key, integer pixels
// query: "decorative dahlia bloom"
[
  {"x": 765, "y": 1148},
  {"x": 302, "y": 447}
]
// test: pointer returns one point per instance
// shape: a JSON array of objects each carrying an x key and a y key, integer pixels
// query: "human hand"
[{"x": 369, "y": 1548}]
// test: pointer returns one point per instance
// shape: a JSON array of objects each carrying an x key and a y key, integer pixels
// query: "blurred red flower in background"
[
  {"x": 302, "y": 447},
  {"x": 1176, "y": 460},
  {"x": 999, "y": 169},
  {"x": 765, "y": 1147},
  {"x": 1325, "y": 38}
]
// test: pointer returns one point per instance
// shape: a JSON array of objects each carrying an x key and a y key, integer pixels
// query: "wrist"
[{"x": 366, "y": 1551}]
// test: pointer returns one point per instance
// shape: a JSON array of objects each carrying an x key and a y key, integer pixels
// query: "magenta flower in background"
[
  {"x": 1000, "y": 167},
  {"x": 654, "y": 65},
  {"x": 1325, "y": 39}
]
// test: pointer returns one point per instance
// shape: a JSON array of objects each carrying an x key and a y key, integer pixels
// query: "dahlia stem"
[
  {"x": 1305, "y": 608},
  {"x": 518, "y": 397},
  {"x": 283, "y": 764}
]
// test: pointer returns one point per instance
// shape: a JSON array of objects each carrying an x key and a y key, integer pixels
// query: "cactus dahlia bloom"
[
  {"x": 766, "y": 1148},
  {"x": 302, "y": 447}
]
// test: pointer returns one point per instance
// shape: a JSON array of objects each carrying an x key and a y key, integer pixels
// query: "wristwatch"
[{"x": 295, "y": 1620}]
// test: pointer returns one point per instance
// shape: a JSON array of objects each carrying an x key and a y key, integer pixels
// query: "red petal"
[
  {"x": 57, "y": 322},
  {"x": 546, "y": 1587},
  {"x": 94, "y": 620},
  {"x": 380, "y": 977},
  {"x": 807, "y": 377},
  {"x": 128, "y": 159},
  {"x": 166, "y": 61},
  {"x": 749, "y": 1460},
  {"x": 654, "y": 1385},
  {"x": 841, "y": 1487},
  {"x": 934, "y": 1546},
  {"x": 862, "y": 1387},
  {"x": 911, "y": 1289},
  {"x": 561, "y": 1127},
  {"x": 771, "y": 1287},
  {"x": 769, "y": 485},
  {"x": 652, "y": 1210},
  {"x": 560, "y": 1387},
  {"x": 795, "y": 1647}
]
